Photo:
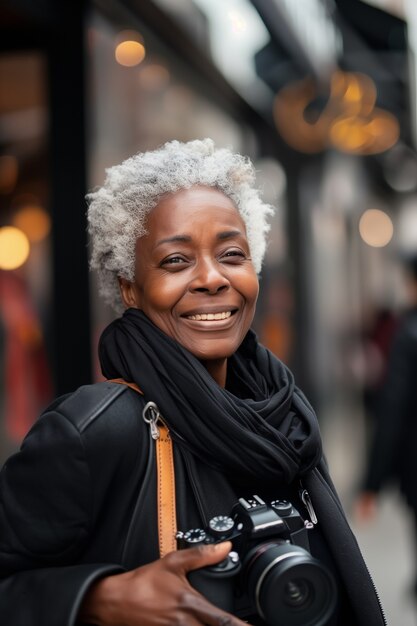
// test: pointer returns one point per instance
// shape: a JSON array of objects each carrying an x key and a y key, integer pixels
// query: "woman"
[{"x": 178, "y": 236}]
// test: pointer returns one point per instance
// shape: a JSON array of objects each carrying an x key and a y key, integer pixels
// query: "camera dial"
[
  {"x": 194, "y": 536},
  {"x": 221, "y": 526},
  {"x": 282, "y": 507}
]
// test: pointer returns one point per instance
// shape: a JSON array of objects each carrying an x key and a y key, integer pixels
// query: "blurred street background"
[
  {"x": 387, "y": 544},
  {"x": 321, "y": 94}
]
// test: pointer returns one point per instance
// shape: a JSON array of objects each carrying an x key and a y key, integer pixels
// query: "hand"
[
  {"x": 158, "y": 594},
  {"x": 365, "y": 507}
]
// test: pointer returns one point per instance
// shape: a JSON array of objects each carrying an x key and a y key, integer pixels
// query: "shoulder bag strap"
[{"x": 167, "y": 518}]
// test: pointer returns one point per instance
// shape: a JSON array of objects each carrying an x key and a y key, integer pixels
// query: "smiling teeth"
[{"x": 210, "y": 316}]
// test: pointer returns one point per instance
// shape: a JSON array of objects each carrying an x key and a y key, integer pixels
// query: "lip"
[
  {"x": 213, "y": 309},
  {"x": 210, "y": 325}
]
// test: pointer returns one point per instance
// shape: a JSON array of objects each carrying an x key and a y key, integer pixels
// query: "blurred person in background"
[
  {"x": 380, "y": 327},
  {"x": 393, "y": 456}
]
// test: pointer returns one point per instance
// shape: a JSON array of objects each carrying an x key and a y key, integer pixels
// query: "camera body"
[{"x": 270, "y": 570}]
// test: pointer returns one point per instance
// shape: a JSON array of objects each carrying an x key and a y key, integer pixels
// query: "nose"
[{"x": 209, "y": 277}]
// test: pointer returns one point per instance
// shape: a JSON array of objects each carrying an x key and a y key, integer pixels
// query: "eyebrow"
[
  {"x": 174, "y": 239},
  {"x": 227, "y": 234}
]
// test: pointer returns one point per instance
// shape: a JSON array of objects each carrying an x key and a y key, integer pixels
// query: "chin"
[{"x": 217, "y": 354}]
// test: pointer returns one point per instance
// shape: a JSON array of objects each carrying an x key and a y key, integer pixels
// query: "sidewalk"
[
  {"x": 387, "y": 544},
  {"x": 388, "y": 548}
]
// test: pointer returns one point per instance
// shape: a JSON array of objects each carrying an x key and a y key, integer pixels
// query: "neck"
[{"x": 217, "y": 370}]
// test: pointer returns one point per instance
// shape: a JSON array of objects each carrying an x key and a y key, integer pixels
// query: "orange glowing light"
[
  {"x": 14, "y": 248},
  {"x": 130, "y": 49},
  {"x": 349, "y": 119},
  {"x": 355, "y": 92},
  {"x": 376, "y": 228},
  {"x": 289, "y": 108},
  {"x": 371, "y": 134},
  {"x": 34, "y": 221}
]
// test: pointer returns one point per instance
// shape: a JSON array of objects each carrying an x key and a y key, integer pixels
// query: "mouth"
[
  {"x": 210, "y": 317},
  {"x": 217, "y": 314}
]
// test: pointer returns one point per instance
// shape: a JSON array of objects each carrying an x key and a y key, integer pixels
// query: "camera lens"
[
  {"x": 297, "y": 592},
  {"x": 288, "y": 586}
]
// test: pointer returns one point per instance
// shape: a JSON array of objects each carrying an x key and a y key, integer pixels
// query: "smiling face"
[{"x": 193, "y": 275}]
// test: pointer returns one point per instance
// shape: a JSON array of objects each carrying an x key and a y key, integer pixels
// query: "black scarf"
[{"x": 260, "y": 425}]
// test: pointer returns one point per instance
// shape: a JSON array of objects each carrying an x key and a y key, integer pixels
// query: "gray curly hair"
[{"x": 117, "y": 210}]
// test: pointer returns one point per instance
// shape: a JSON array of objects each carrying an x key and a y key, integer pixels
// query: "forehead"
[{"x": 192, "y": 208}]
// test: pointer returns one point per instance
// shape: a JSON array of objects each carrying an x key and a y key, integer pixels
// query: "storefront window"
[{"x": 25, "y": 257}]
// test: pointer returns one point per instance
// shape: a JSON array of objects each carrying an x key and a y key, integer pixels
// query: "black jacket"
[{"x": 79, "y": 502}]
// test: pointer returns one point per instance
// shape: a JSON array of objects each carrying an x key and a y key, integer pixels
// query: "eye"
[
  {"x": 173, "y": 260},
  {"x": 234, "y": 253},
  {"x": 233, "y": 256}
]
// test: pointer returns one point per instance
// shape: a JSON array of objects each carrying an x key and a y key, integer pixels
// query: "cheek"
[
  {"x": 160, "y": 295},
  {"x": 249, "y": 287}
]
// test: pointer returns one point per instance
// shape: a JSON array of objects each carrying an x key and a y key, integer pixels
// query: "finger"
[
  {"x": 208, "y": 614},
  {"x": 200, "y": 556}
]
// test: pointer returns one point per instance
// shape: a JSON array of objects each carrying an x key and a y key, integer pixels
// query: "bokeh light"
[
  {"x": 237, "y": 21},
  {"x": 14, "y": 248},
  {"x": 34, "y": 221},
  {"x": 345, "y": 118},
  {"x": 130, "y": 49},
  {"x": 154, "y": 77},
  {"x": 355, "y": 92},
  {"x": 372, "y": 134},
  {"x": 376, "y": 228}
]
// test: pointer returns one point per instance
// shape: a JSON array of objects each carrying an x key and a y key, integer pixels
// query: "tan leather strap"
[
  {"x": 122, "y": 381},
  {"x": 167, "y": 516}
]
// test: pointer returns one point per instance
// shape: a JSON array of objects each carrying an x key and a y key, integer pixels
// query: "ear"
[{"x": 128, "y": 293}]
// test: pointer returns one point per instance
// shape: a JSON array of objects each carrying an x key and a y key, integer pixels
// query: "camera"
[{"x": 270, "y": 571}]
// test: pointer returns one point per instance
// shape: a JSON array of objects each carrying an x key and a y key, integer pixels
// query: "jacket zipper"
[
  {"x": 335, "y": 500},
  {"x": 152, "y": 416},
  {"x": 306, "y": 500}
]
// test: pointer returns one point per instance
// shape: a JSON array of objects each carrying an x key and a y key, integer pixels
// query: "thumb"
[{"x": 200, "y": 556}]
